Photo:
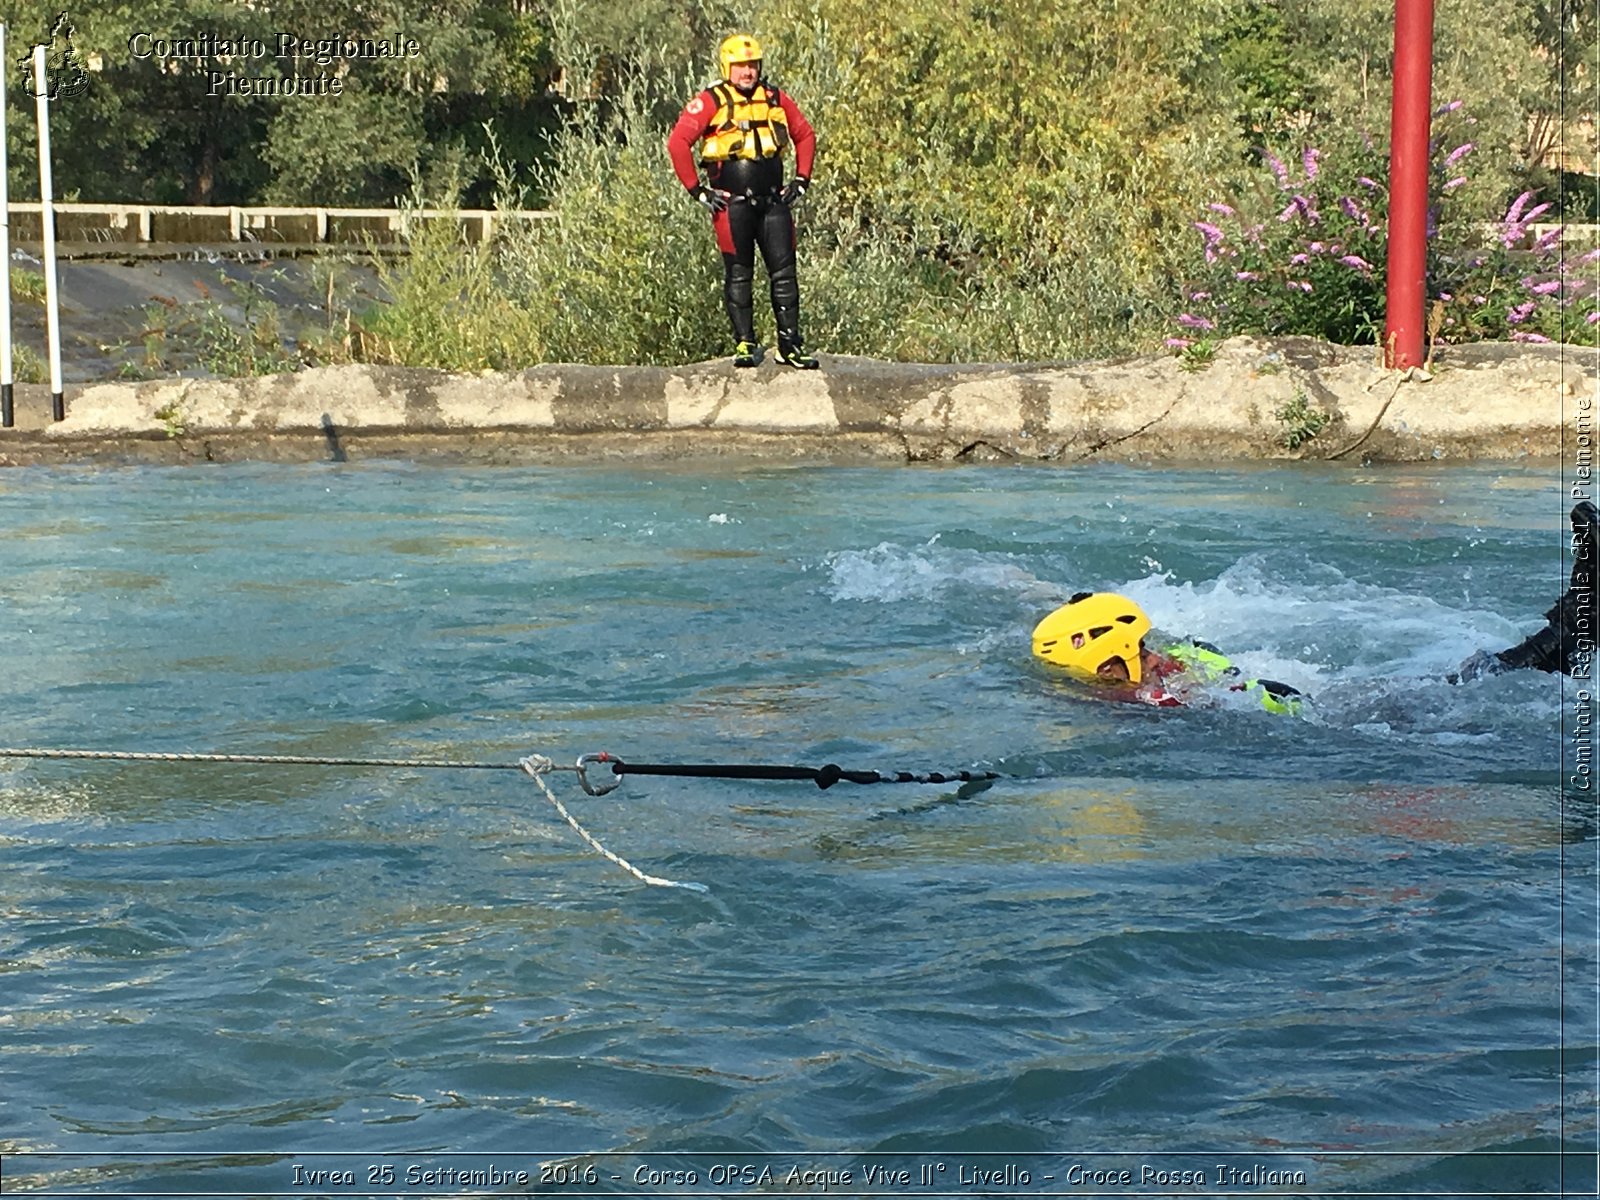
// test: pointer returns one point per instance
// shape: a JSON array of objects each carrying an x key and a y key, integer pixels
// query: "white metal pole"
[
  {"x": 47, "y": 221},
  {"x": 8, "y": 412}
]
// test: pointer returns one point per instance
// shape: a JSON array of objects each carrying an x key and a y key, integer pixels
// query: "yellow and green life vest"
[
  {"x": 1210, "y": 665},
  {"x": 753, "y": 126}
]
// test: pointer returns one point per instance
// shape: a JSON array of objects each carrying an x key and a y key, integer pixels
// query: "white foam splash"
[
  {"x": 890, "y": 573},
  {"x": 1296, "y": 629}
]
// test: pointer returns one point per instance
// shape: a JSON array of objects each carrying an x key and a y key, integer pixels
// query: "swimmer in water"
[{"x": 1100, "y": 637}]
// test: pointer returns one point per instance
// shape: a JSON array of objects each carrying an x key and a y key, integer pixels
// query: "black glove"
[
  {"x": 714, "y": 199},
  {"x": 795, "y": 190}
]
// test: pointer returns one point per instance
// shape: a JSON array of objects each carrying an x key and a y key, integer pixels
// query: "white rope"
[
  {"x": 273, "y": 760},
  {"x": 537, "y": 765}
]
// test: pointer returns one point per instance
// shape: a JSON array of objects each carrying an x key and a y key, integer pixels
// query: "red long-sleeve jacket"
[{"x": 695, "y": 122}]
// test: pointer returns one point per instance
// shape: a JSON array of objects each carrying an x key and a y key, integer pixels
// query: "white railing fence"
[{"x": 161, "y": 223}]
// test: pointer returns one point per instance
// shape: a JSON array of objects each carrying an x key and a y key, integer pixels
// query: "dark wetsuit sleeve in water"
[{"x": 1567, "y": 643}]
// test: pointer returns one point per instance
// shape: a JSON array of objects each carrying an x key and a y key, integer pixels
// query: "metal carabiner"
[{"x": 583, "y": 774}]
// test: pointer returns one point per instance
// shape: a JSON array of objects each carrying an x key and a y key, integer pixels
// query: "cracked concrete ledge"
[{"x": 1482, "y": 402}]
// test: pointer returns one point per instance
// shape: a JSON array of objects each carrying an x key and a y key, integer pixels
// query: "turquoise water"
[{"x": 1359, "y": 945}]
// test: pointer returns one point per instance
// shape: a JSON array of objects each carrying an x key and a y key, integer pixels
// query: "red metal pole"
[{"x": 1410, "y": 118}]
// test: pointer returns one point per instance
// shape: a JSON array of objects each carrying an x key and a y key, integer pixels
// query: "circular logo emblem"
[{"x": 695, "y": 105}]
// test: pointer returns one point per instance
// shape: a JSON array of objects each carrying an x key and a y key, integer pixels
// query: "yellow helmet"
[
  {"x": 738, "y": 48},
  {"x": 1089, "y": 631}
]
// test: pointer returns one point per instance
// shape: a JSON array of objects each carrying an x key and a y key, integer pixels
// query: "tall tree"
[{"x": 186, "y": 103}]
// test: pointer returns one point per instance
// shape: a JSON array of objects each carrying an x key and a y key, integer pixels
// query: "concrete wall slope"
[{"x": 1487, "y": 401}]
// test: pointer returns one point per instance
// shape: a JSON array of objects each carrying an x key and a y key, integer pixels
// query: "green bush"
[
  {"x": 970, "y": 205},
  {"x": 627, "y": 270},
  {"x": 444, "y": 308}
]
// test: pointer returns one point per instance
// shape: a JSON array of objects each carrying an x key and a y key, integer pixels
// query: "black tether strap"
[{"x": 823, "y": 777}]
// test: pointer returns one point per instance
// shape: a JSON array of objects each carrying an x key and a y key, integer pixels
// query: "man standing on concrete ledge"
[{"x": 745, "y": 124}]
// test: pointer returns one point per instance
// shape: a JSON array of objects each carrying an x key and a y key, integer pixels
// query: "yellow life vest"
[{"x": 753, "y": 126}]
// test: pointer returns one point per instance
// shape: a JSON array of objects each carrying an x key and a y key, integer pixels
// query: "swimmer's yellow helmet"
[
  {"x": 1089, "y": 631},
  {"x": 737, "y": 48}
]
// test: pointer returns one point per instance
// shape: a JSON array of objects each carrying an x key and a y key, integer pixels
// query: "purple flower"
[
  {"x": 1520, "y": 336},
  {"x": 1514, "y": 215},
  {"x": 1288, "y": 213},
  {"x": 1550, "y": 239},
  {"x": 1352, "y": 209},
  {"x": 1223, "y": 209},
  {"x": 1197, "y": 296},
  {"x": 1278, "y": 169},
  {"x": 1519, "y": 314},
  {"x": 1316, "y": 247},
  {"x": 1308, "y": 160},
  {"x": 1356, "y": 263},
  {"x": 1593, "y": 318},
  {"x": 1372, "y": 185},
  {"x": 1451, "y": 184},
  {"x": 1446, "y": 297},
  {"x": 1179, "y": 343},
  {"x": 1190, "y": 321},
  {"x": 1592, "y": 256},
  {"x": 1446, "y": 108},
  {"x": 1210, "y": 232},
  {"x": 1246, "y": 276},
  {"x": 1547, "y": 288},
  {"x": 1480, "y": 299},
  {"x": 1303, "y": 285},
  {"x": 1511, "y": 235},
  {"x": 1300, "y": 260},
  {"x": 1303, "y": 203},
  {"x": 1533, "y": 214},
  {"x": 1459, "y": 153}
]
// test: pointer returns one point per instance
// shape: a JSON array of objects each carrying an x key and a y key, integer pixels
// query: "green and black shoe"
[
  {"x": 746, "y": 354},
  {"x": 791, "y": 355}
]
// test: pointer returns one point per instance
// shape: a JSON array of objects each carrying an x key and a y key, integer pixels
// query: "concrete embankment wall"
[{"x": 1495, "y": 402}]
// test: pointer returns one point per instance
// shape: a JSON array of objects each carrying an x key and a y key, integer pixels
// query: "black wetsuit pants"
[{"x": 763, "y": 222}]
